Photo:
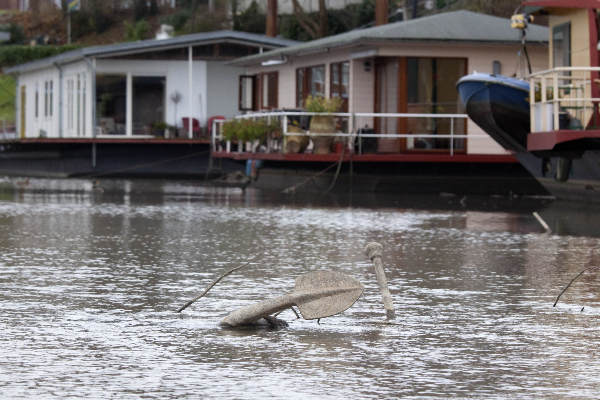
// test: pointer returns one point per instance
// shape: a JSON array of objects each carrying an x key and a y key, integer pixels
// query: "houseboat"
[
  {"x": 561, "y": 145},
  {"x": 400, "y": 127},
  {"x": 135, "y": 108}
]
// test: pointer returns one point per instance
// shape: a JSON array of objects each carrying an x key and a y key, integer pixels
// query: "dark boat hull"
[
  {"x": 573, "y": 179},
  {"x": 499, "y": 106}
]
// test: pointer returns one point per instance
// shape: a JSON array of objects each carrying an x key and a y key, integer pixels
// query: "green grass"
[{"x": 7, "y": 98}]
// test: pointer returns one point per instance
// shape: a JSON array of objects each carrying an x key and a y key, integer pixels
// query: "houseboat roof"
[
  {"x": 456, "y": 26},
  {"x": 143, "y": 46}
]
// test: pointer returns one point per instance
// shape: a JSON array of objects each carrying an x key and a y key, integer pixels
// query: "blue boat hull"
[{"x": 499, "y": 106}]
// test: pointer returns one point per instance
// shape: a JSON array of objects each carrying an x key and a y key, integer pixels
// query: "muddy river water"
[{"x": 91, "y": 275}]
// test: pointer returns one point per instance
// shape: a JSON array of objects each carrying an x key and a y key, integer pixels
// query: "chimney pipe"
[
  {"x": 381, "y": 12},
  {"x": 271, "y": 18}
]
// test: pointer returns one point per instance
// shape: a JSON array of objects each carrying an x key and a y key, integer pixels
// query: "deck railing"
[
  {"x": 447, "y": 129},
  {"x": 562, "y": 98}
]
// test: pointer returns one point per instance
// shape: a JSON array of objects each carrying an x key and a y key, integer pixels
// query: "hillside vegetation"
[{"x": 105, "y": 22}]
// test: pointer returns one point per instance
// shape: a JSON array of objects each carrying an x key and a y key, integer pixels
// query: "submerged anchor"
[{"x": 317, "y": 295}]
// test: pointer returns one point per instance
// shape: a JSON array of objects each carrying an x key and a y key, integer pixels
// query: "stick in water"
[
  {"x": 186, "y": 305},
  {"x": 542, "y": 222},
  {"x": 570, "y": 283},
  {"x": 589, "y": 267},
  {"x": 374, "y": 252}
]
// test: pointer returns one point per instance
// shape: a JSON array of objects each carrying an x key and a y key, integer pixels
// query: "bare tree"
[
  {"x": 34, "y": 5},
  {"x": 313, "y": 28}
]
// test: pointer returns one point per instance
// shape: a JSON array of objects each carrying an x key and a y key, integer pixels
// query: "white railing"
[
  {"x": 354, "y": 134},
  {"x": 565, "y": 91}
]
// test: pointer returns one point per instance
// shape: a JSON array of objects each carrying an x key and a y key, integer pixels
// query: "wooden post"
[
  {"x": 381, "y": 12},
  {"x": 374, "y": 252},
  {"x": 271, "y": 18}
]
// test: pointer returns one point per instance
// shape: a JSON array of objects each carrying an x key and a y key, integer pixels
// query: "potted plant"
[
  {"x": 295, "y": 143},
  {"x": 274, "y": 134},
  {"x": 158, "y": 128},
  {"x": 322, "y": 123},
  {"x": 256, "y": 133}
]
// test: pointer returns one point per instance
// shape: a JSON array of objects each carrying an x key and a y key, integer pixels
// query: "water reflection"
[{"x": 92, "y": 273}]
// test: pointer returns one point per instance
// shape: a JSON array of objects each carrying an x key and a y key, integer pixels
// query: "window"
[
  {"x": 37, "y": 100},
  {"x": 430, "y": 89},
  {"x": 246, "y": 93},
  {"x": 111, "y": 93},
  {"x": 339, "y": 87},
  {"x": 309, "y": 81},
  {"x": 148, "y": 98},
  {"x": 83, "y": 94},
  {"x": 496, "y": 67},
  {"x": 70, "y": 112},
  {"x": 50, "y": 98},
  {"x": 45, "y": 98},
  {"x": 561, "y": 45},
  {"x": 268, "y": 90}
]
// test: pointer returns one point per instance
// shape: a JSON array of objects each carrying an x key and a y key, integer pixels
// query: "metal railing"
[
  {"x": 561, "y": 98},
  {"x": 355, "y": 134}
]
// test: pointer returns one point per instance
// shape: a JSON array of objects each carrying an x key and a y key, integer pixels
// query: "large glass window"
[
  {"x": 339, "y": 85},
  {"x": 268, "y": 90},
  {"x": 309, "y": 81},
  {"x": 111, "y": 94},
  {"x": 431, "y": 90},
  {"x": 246, "y": 93},
  {"x": 148, "y": 105},
  {"x": 561, "y": 45}
]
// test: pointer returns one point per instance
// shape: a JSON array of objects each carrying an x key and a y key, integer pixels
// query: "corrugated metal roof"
[
  {"x": 462, "y": 26},
  {"x": 153, "y": 45}
]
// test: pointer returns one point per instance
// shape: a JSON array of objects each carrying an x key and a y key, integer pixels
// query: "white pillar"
[
  {"x": 129, "y": 107},
  {"x": 190, "y": 92}
]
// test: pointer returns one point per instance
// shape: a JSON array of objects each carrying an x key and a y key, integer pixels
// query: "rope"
[
  {"x": 293, "y": 188},
  {"x": 144, "y": 165},
  {"x": 339, "y": 168}
]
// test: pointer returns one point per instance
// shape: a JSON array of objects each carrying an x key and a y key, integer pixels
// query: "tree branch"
[
  {"x": 310, "y": 26},
  {"x": 186, "y": 305}
]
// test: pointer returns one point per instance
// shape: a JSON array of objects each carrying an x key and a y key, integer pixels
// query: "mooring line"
[{"x": 143, "y": 165}]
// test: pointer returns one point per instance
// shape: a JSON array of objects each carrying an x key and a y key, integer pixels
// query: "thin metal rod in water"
[{"x": 374, "y": 252}]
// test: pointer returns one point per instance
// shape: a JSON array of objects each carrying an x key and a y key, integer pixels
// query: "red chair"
[
  {"x": 210, "y": 122},
  {"x": 196, "y": 128}
]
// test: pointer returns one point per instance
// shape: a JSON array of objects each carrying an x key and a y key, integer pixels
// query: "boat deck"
[
  {"x": 369, "y": 157},
  {"x": 544, "y": 141}
]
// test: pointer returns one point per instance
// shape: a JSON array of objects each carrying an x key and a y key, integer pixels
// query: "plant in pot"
[
  {"x": 274, "y": 134},
  {"x": 322, "y": 123},
  {"x": 259, "y": 133},
  {"x": 158, "y": 128},
  {"x": 231, "y": 131},
  {"x": 295, "y": 143}
]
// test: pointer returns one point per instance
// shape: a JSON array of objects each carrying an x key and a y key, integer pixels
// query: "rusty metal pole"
[{"x": 374, "y": 252}]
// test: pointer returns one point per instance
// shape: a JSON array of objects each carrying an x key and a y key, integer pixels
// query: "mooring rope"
[{"x": 136, "y": 166}]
